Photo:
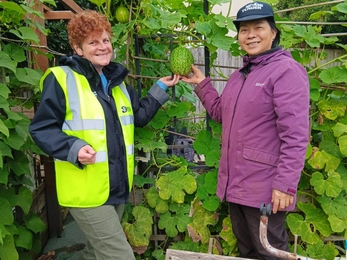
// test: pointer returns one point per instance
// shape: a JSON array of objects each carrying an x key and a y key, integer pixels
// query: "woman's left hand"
[
  {"x": 170, "y": 80},
  {"x": 280, "y": 200}
]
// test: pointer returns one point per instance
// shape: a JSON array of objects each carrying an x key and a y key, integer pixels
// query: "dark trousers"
[{"x": 245, "y": 224}]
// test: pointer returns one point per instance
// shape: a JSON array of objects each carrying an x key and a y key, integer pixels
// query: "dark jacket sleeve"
[
  {"x": 46, "y": 126},
  {"x": 146, "y": 108}
]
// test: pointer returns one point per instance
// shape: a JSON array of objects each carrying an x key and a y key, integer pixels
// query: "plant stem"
[{"x": 327, "y": 63}]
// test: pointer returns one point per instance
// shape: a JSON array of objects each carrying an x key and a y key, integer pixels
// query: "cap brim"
[{"x": 251, "y": 17}]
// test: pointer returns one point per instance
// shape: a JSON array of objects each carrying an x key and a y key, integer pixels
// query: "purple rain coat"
[{"x": 264, "y": 111}]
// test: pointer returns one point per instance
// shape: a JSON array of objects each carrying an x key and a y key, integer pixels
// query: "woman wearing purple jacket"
[{"x": 264, "y": 111}]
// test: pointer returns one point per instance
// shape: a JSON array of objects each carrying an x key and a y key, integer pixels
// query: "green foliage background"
[{"x": 178, "y": 197}]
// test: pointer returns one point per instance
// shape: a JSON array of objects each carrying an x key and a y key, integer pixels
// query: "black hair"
[{"x": 277, "y": 39}]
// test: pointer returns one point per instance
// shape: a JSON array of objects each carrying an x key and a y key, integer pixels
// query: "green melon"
[
  {"x": 122, "y": 14},
  {"x": 181, "y": 60}
]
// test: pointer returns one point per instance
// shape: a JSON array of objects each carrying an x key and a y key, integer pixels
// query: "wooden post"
[
  {"x": 54, "y": 213},
  {"x": 40, "y": 61}
]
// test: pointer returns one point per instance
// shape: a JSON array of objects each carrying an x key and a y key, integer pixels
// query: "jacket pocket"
[{"x": 260, "y": 156}]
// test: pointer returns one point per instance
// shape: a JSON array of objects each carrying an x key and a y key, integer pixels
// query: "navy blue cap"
[{"x": 253, "y": 11}]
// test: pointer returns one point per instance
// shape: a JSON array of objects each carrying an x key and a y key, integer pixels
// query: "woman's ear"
[{"x": 78, "y": 50}]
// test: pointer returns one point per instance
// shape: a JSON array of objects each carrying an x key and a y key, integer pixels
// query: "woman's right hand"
[
  {"x": 86, "y": 155},
  {"x": 196, "y": 78}
]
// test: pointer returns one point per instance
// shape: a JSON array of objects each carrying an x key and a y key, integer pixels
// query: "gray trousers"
[
  {"x": 105, "y": 237},
  {"x": 245, "y": 225}
]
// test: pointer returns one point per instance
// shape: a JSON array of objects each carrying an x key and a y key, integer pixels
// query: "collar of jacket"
[
  {"x": 114, "y": 72},
  {"x": 248, "y": 61}
]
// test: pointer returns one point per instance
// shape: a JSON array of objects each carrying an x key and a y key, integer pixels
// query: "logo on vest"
[{"x": 125, "y": 109}]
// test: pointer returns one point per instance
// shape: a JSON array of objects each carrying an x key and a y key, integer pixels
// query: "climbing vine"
[{"x": 178, "y": 197}]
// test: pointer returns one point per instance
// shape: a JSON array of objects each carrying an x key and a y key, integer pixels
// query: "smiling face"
[
  {"x": 256, "y": 36},
  {"x": 97, "y": 49}
]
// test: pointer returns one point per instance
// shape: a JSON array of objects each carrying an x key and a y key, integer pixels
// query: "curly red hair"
[{"x": 87, "y": 23}]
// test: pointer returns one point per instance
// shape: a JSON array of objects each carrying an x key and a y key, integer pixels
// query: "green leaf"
[
  {"x": 26, "y": 33},
  {"x": 312, "y": 38},
  {"x": 33, "y": 12},
  {"x": 331, "y": 186},
  {"x": 339, "y": 129},
  {"x": 334, "y": 206},
  {"x": 34, "y": 223},
  {"x": 152, "y": 23},
  {"x": 322, "y": 250},
  {"x": 337, "y": 224},
  {"x": 25, "y": 238},
  {"x": 4, "y": 90},
  {"x": 6, "y": 62},
  {"x": 148, "y": 145},
  {"x": 334, "y": 75},
  {"x": 203, "y": 27},
  {"x": 14, "y": 140},
  {"x": 20, "y": 164},
  {"x": 342, "y": 7},
  {"x": 140, "y": 181},
  {"x": 4, "y": 129},
  {"x": 316, "y": 220},
  {"x": 332, "y": 108},
  {"x": 8, "y": 249},
  {"x": 316, "y": 217},
  {"x": 139, "y": 232},
  {"x": 211, "y": 203},
  {"x": 174, "y": 223},
  {"x": 208, "y": 145},
  {"x": 322, "y": 159},
  {"x": 28, "y": 75},
  {"x": 160, "y": 120},
  {"x": 3, "y": 173},
  {"x": 154, "y": 201},
  {"x": 178, "y": 109},
  {"x": 198, "y": 229},
  {"x": 24, "y": 199},
  {"x": 343, "y": 144},
  {"x": 211, "y": 181},
  {"x": 175, "y": 185},
  {"x": 329, "y": 145},
  {"x": 320, "y": 14},
  {"x": 228, "y": 235},
  {"x": 15, "y": 52},
  {"x": 6, "y": 215},
  {"x": 343, "y": 174}
]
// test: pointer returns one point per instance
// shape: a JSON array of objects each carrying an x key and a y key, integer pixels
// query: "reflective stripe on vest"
[{"x": 85, "y": 119}]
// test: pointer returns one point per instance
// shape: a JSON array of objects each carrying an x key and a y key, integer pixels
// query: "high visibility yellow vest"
[{"x": 85, "y": 119}]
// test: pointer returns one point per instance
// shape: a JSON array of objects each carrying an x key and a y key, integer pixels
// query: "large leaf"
[
  {"x": 176, "y": 222},
  {"x": 228, "y": 235},
  {"x": 322, "y": 159},
  {"x": 331, "y": 185},
  {"x": 29, "y": 76},
  {"x": 154, "y": 201},
  {"x": 15, "y": 52},
  {"x": 25, "y": 238},
  {"x": 4, "y": 91},
  {"x": 34, "y": 223},
  {"x": 26, "y": 34},
  {"x": 24, "y": 199},
  {"x": 139, "y": 232},
  {"x": 334, "y": 75},
  {"x": 175, "y": 185},
  {"x": 6, "y": 215},
  {"x": 198, "y": 229},
  {"x": 7, "y": 62},
  {"x": 8, "y": 249}
]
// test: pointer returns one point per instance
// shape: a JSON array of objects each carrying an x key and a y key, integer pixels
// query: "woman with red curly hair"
[{"x": 86, "y": 121}]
